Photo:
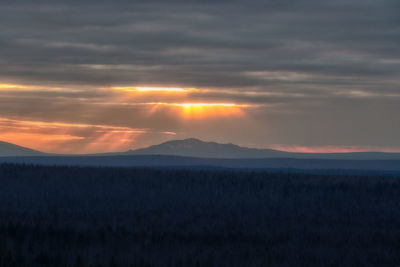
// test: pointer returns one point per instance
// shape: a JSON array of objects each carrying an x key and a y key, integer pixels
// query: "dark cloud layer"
[{"x": 300, "y": 63}]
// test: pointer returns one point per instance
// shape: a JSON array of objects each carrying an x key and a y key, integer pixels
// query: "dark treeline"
[{"x": 103, "y": 217}]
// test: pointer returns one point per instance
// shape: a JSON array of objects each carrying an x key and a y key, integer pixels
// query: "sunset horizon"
[
  {"x": 183, "y": 107},
  {"x": 277, "y": 147},
  {"x": 305, "y": 76}
]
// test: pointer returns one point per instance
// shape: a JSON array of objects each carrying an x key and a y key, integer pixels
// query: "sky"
[{"x": 97, "y": 76}]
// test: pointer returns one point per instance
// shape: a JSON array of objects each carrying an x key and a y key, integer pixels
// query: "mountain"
[
  {"x": 194, "y": 153},
  {"x": 196, "y": 148},
  {"x": 11, "y": 150}
]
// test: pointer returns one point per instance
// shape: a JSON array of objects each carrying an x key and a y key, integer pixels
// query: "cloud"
[
  {"x": 289, "y": 60},
  {"x": 195, "y": 45}
]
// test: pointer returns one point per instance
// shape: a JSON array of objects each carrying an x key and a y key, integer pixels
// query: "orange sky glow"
[
  {"x": 171, "y": 102},
  {"x": 58, "y": 137},
  {"x": 67, "y": 137}
]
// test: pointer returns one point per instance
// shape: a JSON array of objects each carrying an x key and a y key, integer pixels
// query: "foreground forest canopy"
[{"x": 83, "y": 216}]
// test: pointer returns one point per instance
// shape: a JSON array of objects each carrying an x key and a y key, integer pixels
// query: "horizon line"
[{"x": 301, "y": 149}]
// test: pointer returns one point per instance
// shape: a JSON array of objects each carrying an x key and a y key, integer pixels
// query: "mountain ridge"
[
  {"x": 12, "y": 150},
  {"x": 196, "y": 148},
  {"x": 192, "y": 147}
]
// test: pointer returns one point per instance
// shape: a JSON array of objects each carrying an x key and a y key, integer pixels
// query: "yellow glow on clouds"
[
  {"x": 23, "y": 87},
  {"x": 8, "y": 86},
  {"x": 161, "y": 103},
  {"x": 177, "y": 100},
  {"x": 204, "y": 110},
  {"x": 154, "y": 89}
]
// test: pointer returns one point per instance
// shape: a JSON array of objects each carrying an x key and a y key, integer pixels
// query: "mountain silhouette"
[
  {"x": 11, "y": 150},
  {"x": 193, "y": 147},
  {"x": 193, "y": 153},
  {"x": 196, "y": 148}
]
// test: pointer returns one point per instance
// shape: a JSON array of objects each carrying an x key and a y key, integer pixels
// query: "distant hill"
[
  {"x": 196, "y": 148},
  {"x": 11, "y": 150},
  {"x": 192, "y": 152}
]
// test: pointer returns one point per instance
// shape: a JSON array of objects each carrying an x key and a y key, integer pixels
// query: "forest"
[{"x": 111, "y": 217}]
